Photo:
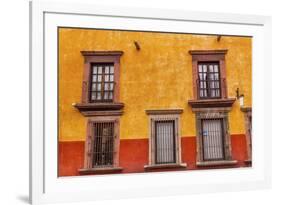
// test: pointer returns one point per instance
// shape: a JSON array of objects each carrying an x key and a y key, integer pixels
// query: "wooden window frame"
[
  {"x": 213, "y": 113},
  {"x": 201, "y": 56},
  {"x": 164, "y": 115},
  {"x": 102, "y": 83},
  {"x": 88, "y": 159},
  {"x": 208, "y": 89},
  {"x": 92, "y": 57}
]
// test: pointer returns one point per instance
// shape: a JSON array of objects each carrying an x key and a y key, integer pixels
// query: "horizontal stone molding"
[
  {"x": 164, "y": 111},
  {"x": 216, "y": 163},
  {"x": 104, "y": 170},
  {"x": 212, "y": 103},
  {"x": 102, "y": 53},
  {"x": 99, "y": 109},
  {"x": 165, "y": 166}
]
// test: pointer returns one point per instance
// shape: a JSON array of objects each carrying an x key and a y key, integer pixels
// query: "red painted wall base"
[{"x": 133, "y": 154}]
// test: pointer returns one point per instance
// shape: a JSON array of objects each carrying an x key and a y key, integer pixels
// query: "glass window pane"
[
  {"x": 204, "y": 76},
  {"x": 110, "y": 96},
  {"x": 112, "y": 69},
  {"x": 105, "y": 95},
  {"x": 106, "y": 69},
  {"x": 204, "y": 93},
  {"x": 217, "y": 92},
  {"x": 216, "y": 68},
  {"x": 211, "y": 68},
  {"x": 98, "y": 95},
  {"x": 95, "y": 70},
  {"x": 111, "y": 86},
  {"x": 94, "y": 78},
  {"x": 99, "y": 78},
  {"x": 99, "y": 87},
  {"x": 204, "y": 68},
  {"x": 106, "y": 78},
  {"x": 93, "y": 96},
  {"x": 94, "y": 87},
  {"x": 100, "y": 69},
  {"x": 216, "y": 76},
  {"x": 111, "y": 78},
  {"x": 217, "y": 84},
  {"x": 200, "y": 68},
  {"x": 106, "y": 86}
]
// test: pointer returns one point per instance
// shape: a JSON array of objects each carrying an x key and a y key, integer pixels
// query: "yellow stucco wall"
[{"x": 157, "y": 76}]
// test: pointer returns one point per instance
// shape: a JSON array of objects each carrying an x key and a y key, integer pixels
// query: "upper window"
[
  {"x": 208, "y": 82},
  {"x": 208, "y": 68},
  {"x": 102, "y": 82},
  {"x": 101, "y": 76}
]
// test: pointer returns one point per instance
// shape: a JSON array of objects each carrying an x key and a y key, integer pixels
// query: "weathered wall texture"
[{"x": 157, "y": 76}]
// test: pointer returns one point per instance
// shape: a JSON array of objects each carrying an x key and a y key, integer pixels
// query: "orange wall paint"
[{"x": 157, "y": 76}]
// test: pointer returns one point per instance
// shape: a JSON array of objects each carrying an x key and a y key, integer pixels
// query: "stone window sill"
[
  {"x": 207, "y": 103},
  {"x": 104, "y": 170},
  {"x": 216, "y": 163},
  {"x": 248, "y": 161},
  {"x": 165, "y": 166},
  {"x": 100, "y": 109}
]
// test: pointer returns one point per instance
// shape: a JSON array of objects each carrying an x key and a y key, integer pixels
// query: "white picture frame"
[{"x": 46, "y": 187}]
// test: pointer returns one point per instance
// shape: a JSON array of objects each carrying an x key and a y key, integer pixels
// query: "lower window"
[
  {"x": 213, "y": 139},
  {"x": 165, "y": 147},
  {"x": 103, "y": 144}
]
